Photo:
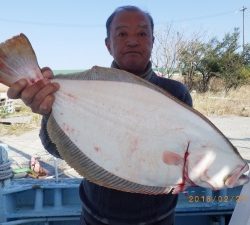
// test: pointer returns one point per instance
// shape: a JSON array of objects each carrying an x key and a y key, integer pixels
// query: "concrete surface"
[{"x": 237, "y": 130}]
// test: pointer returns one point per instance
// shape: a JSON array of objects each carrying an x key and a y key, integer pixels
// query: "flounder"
[{"x": 122, "y": 132}]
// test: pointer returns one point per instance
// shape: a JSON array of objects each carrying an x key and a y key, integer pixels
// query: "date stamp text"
[{"x": 217, "y": 198}]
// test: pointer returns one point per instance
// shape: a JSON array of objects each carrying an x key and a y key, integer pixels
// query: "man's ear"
[
  {"x": 107, "y": 43},
  {"x": 153, "y": 39}
]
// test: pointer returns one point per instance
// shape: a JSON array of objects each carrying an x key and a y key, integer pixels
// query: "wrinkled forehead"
[{"x": 129, "y": 19}]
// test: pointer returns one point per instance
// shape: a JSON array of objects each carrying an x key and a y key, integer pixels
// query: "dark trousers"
[{"x": 86, "y": 220}]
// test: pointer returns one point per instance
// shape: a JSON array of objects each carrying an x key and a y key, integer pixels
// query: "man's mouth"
[{"x": 132, "y": 52}]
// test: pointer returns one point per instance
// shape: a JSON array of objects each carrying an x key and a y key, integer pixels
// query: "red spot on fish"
[
  {"x": 172, "y": 158},
  {"x": 67, "y": 129},
  {"x": 97, "y": 149},
  {"x": 71, "y": 96},
  {"x": 134, "y": 145}
]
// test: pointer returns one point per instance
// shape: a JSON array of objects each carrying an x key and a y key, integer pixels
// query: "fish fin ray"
[{"x": 18, "y": 60}]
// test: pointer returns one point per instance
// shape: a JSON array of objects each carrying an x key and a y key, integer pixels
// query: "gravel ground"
[{"x": 22, "y": 147}]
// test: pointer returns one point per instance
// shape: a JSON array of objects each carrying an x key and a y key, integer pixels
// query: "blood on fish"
[
  {"x": 184, "y": 170},
  {"x": 175, "y": 159}
]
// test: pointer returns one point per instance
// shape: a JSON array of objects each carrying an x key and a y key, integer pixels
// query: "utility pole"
[{"x": 243, "y": 19}]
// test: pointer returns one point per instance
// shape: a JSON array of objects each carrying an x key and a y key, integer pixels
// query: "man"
[{"x": 130, "y": 41}]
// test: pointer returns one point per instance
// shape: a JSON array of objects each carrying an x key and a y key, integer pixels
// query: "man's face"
[{"x": 131, "y": 41}]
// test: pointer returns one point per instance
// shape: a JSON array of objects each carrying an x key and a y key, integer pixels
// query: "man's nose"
[{"x": 132, "y": 41}]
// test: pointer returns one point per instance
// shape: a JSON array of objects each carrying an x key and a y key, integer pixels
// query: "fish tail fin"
[{"x": 18, "y": 60}]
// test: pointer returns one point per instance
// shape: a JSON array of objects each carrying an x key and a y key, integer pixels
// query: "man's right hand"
[{"x": 38, "y": 96}]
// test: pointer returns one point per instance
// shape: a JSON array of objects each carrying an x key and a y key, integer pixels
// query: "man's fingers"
[
  {"x": 47, "y": 72},
  {"x": 29, "y": 93},
  {"x": 43, "y": 96},
  {"x": 46, "y": 106},
  {"x": 39, "y": 95},
  {"x": 16, "y": 89}
]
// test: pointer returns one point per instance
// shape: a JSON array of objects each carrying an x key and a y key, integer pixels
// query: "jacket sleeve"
[
  {"x": 187, "y": 98},
  {"x": 45, "y": 139}
]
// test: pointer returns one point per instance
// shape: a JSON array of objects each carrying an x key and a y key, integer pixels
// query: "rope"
[{"x": 5, "y": 170}]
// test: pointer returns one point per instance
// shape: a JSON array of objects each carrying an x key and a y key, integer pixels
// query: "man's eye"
[
  {"x": 121, "y": 34},
  {"x": 143, "y": 34}
]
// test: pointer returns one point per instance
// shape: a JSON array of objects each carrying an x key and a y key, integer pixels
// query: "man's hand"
[{"x": 38, "y": 96}]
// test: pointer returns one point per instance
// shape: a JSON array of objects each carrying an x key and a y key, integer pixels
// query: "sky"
[{"x": 69, "y": 34}]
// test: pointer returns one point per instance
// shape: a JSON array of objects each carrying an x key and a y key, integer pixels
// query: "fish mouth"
[
  {"x": 243, "y": 179},
  {"x": 238, "y": 177}
]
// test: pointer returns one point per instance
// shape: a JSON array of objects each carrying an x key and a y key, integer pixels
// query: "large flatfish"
[{"x": 122, "y": 132}]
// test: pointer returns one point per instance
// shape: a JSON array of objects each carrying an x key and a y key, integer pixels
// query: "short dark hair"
[{"x": 127, "y": 8}]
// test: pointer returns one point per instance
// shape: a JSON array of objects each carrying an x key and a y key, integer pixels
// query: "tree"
[
  {"x": 191, "y": 54},
  {"x": 202, "y": 61},
  {"x": 233, "y": 63},
  {"x": 166, "y": 51},
  {"x": 246, "y": 55},
  {"x": 199, "y": 61}
]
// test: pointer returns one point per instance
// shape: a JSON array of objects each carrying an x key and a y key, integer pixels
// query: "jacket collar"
[{"x": 147, "y": 75}]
